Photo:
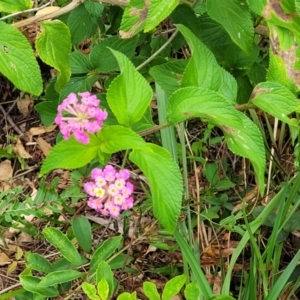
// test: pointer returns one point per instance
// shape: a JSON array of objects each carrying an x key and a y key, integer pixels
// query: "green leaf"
[
  {"x": 191, "y": 291},
  {"x": 129, "y": 94},
  {"x": 150, "y": 290},
  {"x": 203, "y": 69},
  {"x": 164, "y": 180},
  {"x": 101, "y": 57},
  {"x": 235, "y": 17},
  {"x": 158, "y": 11},
  {"x": 116, "y": 138},
  {"x": 83, "y": 232},
  {"x": 38, "y": 263},
  {"x": 168, "y": 76},
  {"x": 223, "y": 297},
  {"x": 134, "y": 17},
  {"x": 47, "y": 111},
  {"x": 53, "y": 45},
  {"x": 56, "y": 238},
  {"x": 246, "y": 140},
  {"x": 79, "y": 63},
  {"x": 71, "y": 154},
  {"x": 90, "y": 291},
  {"x": 30, "y": 283},
  {"x": 17, "y": 60},
  {"x": 104, "y": 272},
  {"x": 257, "y": 6},
  {"x": 82, "y": 24},
  {"x": 276, "y": 100},
  {"x": 103, "y": 289},
  {"x": 106, "y": 249},
  {"x": 173, "y": 287},
  {"x": 10, "y": 6},
  {"x": 200, "y": 102},
  {"x": 127, "y": 296},
  {"x": 58, "y": 277}
]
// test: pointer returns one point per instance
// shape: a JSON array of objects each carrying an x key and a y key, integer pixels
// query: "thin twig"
[
  {"x": 26, "y": 11},
  {"x": 11, "y": 122},
  {"x": 63, "y": 11}
]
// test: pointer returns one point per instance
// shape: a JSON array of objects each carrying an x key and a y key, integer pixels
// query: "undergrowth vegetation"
[{"x": 150, "y": 149}]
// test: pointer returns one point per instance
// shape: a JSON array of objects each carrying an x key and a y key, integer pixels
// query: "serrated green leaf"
[
  {"x": 47, "y": 111},
  {"x": 134, "y": 17},
  {"x": 17, "y": 60},
  {"x": 106, "y": 249},
  {"x": 246, "y": 140},
  {"x": 173, "y": 287},
  {"x": 53, "y": 45},
  {"x": 90, "y": 291},
  {"x": 150, "y": 290},
  {"x": 103, "y": 60},
  {"x": 117, "y": 138},
  {"x": 129, "y": 94},
  {"x": 30, "y": 283},
  {"x": 10, "y": 6},
  {"x": 257, "y": 6},
  {"x": 95, "y": 9},
  {"x": 83, "y": 232},
  {"x": 71, "y": 154},
  {"x": 164, "y": 180},
  {"x": 38, "y": 263},
  {"x": 203, "y": 69},
  {"x": 276, "y": 100},
  {"x": 56, "y": 238},
  {"x": 192, "y": 102},
  {"x": 82, "y": 24},
  {"x": 235, "y": 17},
  {"x": 169, "y": 75},
  {"x": 79, "y": 63},
  {"x": 58, "y": 277},
  {"x": 158, "y": 11},
  {"x": 191, "y": 291},
  {"x": 104, "y": 272},
  {"x": 103, "y": 289}
]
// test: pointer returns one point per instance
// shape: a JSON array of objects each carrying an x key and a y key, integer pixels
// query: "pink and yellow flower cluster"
[
  {"x": 80, "y": 116},
  {"x": 110, "y": 191}
]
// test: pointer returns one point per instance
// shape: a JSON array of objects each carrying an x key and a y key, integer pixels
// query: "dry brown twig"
[{"x": 62, "y": 11}]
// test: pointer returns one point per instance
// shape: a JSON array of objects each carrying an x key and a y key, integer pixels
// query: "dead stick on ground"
[{"x": 11, "y": 122}]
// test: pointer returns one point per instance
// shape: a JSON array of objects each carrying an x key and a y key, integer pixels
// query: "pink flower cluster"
[
  {"x": 110, "y": 191},
  {"x": 80, "y": 117}
]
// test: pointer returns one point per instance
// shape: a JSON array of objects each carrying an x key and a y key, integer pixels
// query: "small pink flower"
[
  {"x": 110, "y": 191},
  {"x": 80, "y": 116}
]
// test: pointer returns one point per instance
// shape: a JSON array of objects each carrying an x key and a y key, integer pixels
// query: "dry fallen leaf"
[
  {"x": 11, "y": 268},
  {"x": 41, "y": 129},
  {"x": 20, "y": 150},
  {"x": 4, "y": 259},
  {"x": 45, "y": 147},
  {"x": 6, "y": 172},
  {"x": 25, "y": 105}
]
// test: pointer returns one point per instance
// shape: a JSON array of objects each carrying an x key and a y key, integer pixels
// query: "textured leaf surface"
[
  {"x": 191, "y": 102},
  {"x": 173, "y": 287},
  {"x": 150, "y": 290},
  {"x": 203, "y": 69},
  {"x": 90, "y": 291},
  {"x": 83, "y": 232},
  {"x": 10, "y": 6},
  {"x": 235, "y": 17},
  {"x": 275, "y": 99},
  {"x": 17, "y": 60},
  {"x": 164, "y": 180},
  {"x": 105, "y": 250},
  {"x": 169, "y": 75},
  {"x": 129, "y": 94},
  {"x": 134, "y": 18},
  {"x": 158, "y": 11},
  {"x": 30, "y": 284},
  {"x": 59, "y": 277},
  {"x": 56, "y": 238},
  {"x": 117, "y": 138},
  {"x": 71, "y": 154},
  {"x": 38, "y": 263},
  {"x": 54, "y": 45},
  {"x": 247, "y": 141},
  {"x": 104, "y": 272}
]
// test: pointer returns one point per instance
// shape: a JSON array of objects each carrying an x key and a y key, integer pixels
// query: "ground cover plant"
[{"x": 149, "y": 149}]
